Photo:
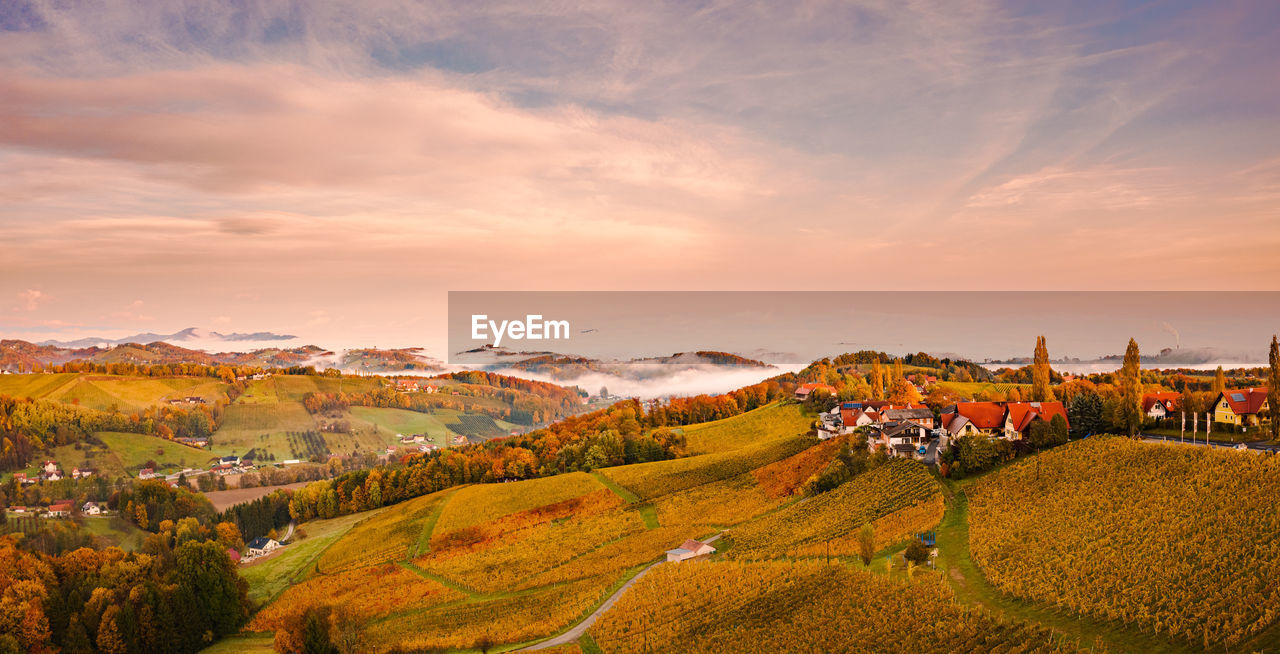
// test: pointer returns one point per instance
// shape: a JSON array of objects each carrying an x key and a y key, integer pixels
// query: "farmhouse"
[
  {"x": 1240, "y": 406},
  {"x": 1160, "y": 405},
  {"x": 1008, "y": 420},
  {"x": 261, "y": 545},
  {"x": 414, "y": 385},
  {"x": 689, "y": 549},
  {"x": 920, "y": 415},
  {"x": 59, "y": 510},
  {"x": 804, "y": 390},
  {"x": 857, "y": 414},
  {"x": 903, "y": 439},
  {"x": 81, "y": 473}
]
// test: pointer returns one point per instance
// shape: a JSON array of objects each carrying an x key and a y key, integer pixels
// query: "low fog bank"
[{"x": 649, "y": 381}]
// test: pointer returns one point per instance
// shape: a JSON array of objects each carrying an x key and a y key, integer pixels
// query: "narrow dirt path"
[{"x": 574, "y": 633}]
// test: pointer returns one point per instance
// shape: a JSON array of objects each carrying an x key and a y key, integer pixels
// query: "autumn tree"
[
  {"x": 1040, "y": 391},
  {"x": 1273, "y": 389},
  {"x": 866, "y": 543},
  {"x": 1219, "y": 381},
  {"x": 1131, "y": 389},
  {"x": 877, "y": 380}
]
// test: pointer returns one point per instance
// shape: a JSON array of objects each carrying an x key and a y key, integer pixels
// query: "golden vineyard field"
[
  {"x": 769, "y": 607},
  {"x": 746, "y": 429},
  {"x": 398, "y": 589},
  {"x": 387, "y": 536},
  {"x": 482, "y": 503},
  {"x": 1177, "y": 540},
  {"x": 657, "y": 478},
  {"x": 835, "y": 517}
]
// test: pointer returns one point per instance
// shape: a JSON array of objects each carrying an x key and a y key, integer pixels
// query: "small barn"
[{"x": 689, "y": 549}]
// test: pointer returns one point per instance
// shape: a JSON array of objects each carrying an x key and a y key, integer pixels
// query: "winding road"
[{"x": 574, "y": 633}]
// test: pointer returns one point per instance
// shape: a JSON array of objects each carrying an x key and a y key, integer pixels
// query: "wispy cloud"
[
  {"x": 336, "y": 155},
  {"x": 30, "y": 299}
]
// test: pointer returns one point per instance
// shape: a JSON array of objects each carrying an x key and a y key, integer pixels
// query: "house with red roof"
[
  {"x": 1161, "y": 405},
  {"x": 59, "y": 510},
  {"x": 804, "y": 390},
  {"x": 1008, "y": 420},
  {"x": 1240, "y": 406}
]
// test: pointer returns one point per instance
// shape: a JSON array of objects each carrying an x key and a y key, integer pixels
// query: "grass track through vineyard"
[{"x": 971, "y": 587}]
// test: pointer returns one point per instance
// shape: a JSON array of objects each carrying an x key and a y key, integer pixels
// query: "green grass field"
[
  {"x": 243, "y": 644},
  {"x": 270, "y": 576},
  {"x": 262, "y": 426},
  {"x": 125, "y": 454},
  {"x": 116, "y": 530}
]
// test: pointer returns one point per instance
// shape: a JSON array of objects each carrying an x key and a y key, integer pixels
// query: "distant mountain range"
[{"x": 187, "y": 335}]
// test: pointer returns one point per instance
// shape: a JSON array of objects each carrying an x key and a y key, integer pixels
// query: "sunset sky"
[{"x": 332, "y": 169}]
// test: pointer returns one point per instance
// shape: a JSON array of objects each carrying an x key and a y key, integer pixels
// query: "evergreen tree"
[
  {"x": 1131, "y": 389},
  {"x": 1085, "y": 413}
]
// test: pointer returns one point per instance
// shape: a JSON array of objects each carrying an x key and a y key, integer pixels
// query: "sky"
[{"x": 333, "y": 169}]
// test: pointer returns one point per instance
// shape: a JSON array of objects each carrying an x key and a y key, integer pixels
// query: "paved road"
[
  {"x": 576, "y": 632},
  {"x": 287, "y": 534},
  {"x": 1256, "y": 447}
]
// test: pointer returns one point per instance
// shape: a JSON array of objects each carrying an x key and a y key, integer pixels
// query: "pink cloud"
[{"x": 31, "y": 298}]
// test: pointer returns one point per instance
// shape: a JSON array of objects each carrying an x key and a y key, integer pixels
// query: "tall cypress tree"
[
  {"x": 1273, "y": 389},
  {"x": 1219, "y": 381},
  {"x": 1131, "y": 389},
  {"x": 1040, "y": 391},
  {"x": 877, "y": 380}
]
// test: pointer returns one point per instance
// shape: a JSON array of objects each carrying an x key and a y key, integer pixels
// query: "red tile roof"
[
  {"x": 1250, "y": 402},
  {"x": 1022, "y": 413},
  {"x": 809, "y": 388},
  {"x": 1169, "y": 399},
  {"x": 983, "y": 415}
]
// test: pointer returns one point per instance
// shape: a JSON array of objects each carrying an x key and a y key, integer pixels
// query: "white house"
[
  {"x": 261, "y": 545},
  {"x": 93, "y": 508},
  {"x": 688, "y": 550}
]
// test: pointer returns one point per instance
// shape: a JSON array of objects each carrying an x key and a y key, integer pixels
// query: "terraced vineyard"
[
  {"x": 1177, "y": 540},
  {"x": 721, "y": 503},
  {"x": 531, "y": 557},
  {"x": 504, "y": 619},
  {"x": 650, "y": 480},
  {"x": 476, "y": 426},
  {"x": 728, "y": 606},
  {"x": 502, "y": 562},
  {"x": 832, "y": 520},
  {"x": 391, "y": 535},
  {"x": 750, "y": 428},
  {"x": 785, "y": 477},
  {"x": 475, "y": 505},
  {"x": 363, "y": 593}
]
